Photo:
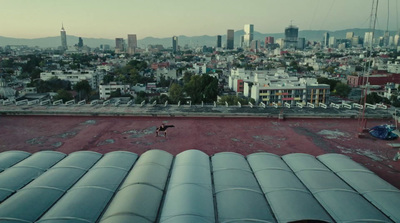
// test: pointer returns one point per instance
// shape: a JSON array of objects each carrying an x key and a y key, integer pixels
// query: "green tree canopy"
[
  {"x": 83, "y": 88},
  {"x": 175, "y": 93},
  {"x": 202, "y": 88},
  {"x": 64, "y": 95},
  {"x": 342, "y": 90}
]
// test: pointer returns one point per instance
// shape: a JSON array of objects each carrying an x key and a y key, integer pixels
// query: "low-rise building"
[
  {"x": 94, "y": 77},
  {"x": 106, "y": 89}
]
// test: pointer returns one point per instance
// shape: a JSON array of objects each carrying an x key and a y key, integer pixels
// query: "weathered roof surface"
[
  {"x": 139, "y": 197},
  {"x": 289, "y": 199},
  {"x": 377, "y": 191},
  {"x": 17, "y": 176},
  {"x": 193, "y": 187},
  {"x": 12, "y": 157},
  {"x": 189, "y": 195},
  {"x": 339, "y": 199},
  {"x": 238, "y": 196}
]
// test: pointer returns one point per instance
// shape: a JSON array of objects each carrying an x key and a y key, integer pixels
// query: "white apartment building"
[
  {"x": 278, "y": 87},
  {"x": 167, "y": 73},
  {"x": 94, "y": 77},
  {"x": 106, "y": 89},
  {"x": 393, "y": 67},
  {"x": 302, "y": 91}
]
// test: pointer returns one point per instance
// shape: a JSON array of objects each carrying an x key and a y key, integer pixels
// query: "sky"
[{"x": 166, "y": 18}]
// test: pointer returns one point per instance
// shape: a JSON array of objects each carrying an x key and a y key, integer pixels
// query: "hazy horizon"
[{"x": 31, "y": 19}]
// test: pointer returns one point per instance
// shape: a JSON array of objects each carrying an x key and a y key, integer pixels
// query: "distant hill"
[{"x": 54, "y": 42}]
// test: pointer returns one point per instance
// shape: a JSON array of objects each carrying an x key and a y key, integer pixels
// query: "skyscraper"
[
  {"x": 368, "y": 39},
  {"x": 174, "y": 44},
  {"x": 119, "y": 45},
  {"x": 248, "y": 35},
  {"x": 80, "y": 42},
  {"x": 326, "y": 40},
  {"x": 132, "y": 43},
  {"x": 219, "y": 41},
  {"x": 230, "y": 39},
  {"x": 291, "y": 34},
  {"x": 63, "y": 38},
  {"x": 349, "y": 35}
]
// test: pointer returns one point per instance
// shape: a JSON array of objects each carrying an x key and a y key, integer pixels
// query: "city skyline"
[{"x": 156, "y": 18}]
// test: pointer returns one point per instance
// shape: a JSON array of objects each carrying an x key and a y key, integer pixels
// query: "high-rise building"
[
  {"x": 368, "y": 39},
  {"x": 349, "y": 35},
  {"x": 119, "y": 45},
  {"x": 255, "y": 45},
  {"x": 248, "y": 35},
  {"x": 219, "y": 41},
  {"x": 301, "y": 43},
  {"x": 174, "y": 44},
  {"x": 230, "y": 39},
  {"x": 63, "y": 38},
  {"x": 269, "y": 40},
  {"x": 291, "y": 35},
  {"x": 396, "y": 41},
  {"x": 332, "y": 42},
  {"x": 326, "y": 40},
  {"x": 80, "y": 42},
  {"x": 132, "y": 43}
]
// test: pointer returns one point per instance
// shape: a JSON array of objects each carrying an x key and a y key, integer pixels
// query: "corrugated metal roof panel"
[
  {"x": 288, "y": 197},
  {"x": 80, "y": 159},
  {"x": 125, "y": 219},
  {"x": 229, "y": 160},
  {"x": 190, "y": 175},
  {"x": 135, "y": 201},
  {"x": 92, "y": 192},
  {"x": 41, "y": 160},
  {"x": 341, "y": 201},
  {"x": 189, "y": 190},
  {"x": 188, "y": 200},
  {"x": 139, "y": 197},
  {"x": 236, "y": 205},
  {"x": 296, "y": 205},
  {"x": 340, "y": 162},
  {"x": 387, "y": 202},
  {"x": 59, "y": 178},
  {"x": 262, "y": 161},
  {"x": 10, "y": 158},
  {"x": 238, "y": 195},
  {"x": 345, "y": 206},
  {"x": 104, "y": 177},
  {"x": 37, "y": 197},
  {"x": 379, "y": 192},
  {"x": 226, "y": 179},
  {"x": 192, "y": 158},
  {"x": 151, "y": 174},
  {"x": 118, "y": 159},
  {"x": 29, "y": 204},
  {"x": 271, "y": 180},
  {"x": 301, "y": 161},
  {"x": 317, "y": 180},
  {"x": 19, "y": 175},
  {"x": 155, "y": 156},
  {"x": 81, "y": 204}
]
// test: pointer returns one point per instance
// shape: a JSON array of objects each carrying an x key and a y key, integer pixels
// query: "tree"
[
  {"x": 175, "y": 93},
  {"x": 116, "y": 93},
  {"x": 64, "y": 95},
  {"x": 108, "y": 78},
  {"x": 83, "y": 88},
  {"x": 141, "y": 96},
  {"x": 342, "y": 90}
]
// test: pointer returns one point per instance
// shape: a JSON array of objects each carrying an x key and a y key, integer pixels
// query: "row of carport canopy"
[{"x": 121, "y": 186}]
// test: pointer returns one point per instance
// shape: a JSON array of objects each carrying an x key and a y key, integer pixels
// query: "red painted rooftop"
[{"x": 68, "y": 134}]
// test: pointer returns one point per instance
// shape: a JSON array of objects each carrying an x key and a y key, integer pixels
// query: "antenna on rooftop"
[{"x": 373, "y": 18}]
